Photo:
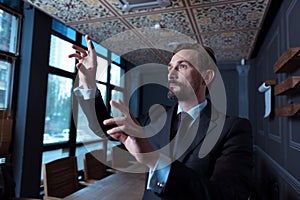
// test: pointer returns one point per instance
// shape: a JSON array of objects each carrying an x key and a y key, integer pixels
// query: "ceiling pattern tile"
[
  {"x": 230, "y": 16},
  {"x": 201, "y": 2},
  {"x": 230, "y": 40},
  {"x": 230, "y": 28},
  {"x": 163, "y": 39},
  {"x": 72, "y": 10},
  {"x": 125, "y": 46},
  {"x": 232, "y": 54},
  {"x": 171, "y": 20},
  {"x": 100, "y": 31},
  {"x": 142, "y": 56}
]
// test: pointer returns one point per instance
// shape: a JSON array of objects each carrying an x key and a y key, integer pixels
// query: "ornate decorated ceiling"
[{"x": 230, "y": 27}]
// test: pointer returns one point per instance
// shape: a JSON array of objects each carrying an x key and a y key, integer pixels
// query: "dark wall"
[
  {"x": 277, "y": 140},
  {"x": 230, "y": 78}
]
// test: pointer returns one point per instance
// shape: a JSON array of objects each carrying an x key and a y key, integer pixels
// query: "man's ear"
[{"x": 208, "y": 76}]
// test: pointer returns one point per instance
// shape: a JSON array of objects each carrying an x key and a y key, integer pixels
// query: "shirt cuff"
[
  {"x": 85, "y": 93},
  {"x": 158, "y": 177}
]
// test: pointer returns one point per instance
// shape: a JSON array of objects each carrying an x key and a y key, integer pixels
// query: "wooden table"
[{"x": 121, "y": 185}]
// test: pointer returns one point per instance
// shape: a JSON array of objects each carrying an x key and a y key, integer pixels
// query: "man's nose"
[{"x": 173, "y": 73}]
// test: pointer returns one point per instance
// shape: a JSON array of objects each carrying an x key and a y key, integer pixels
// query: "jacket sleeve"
[
  {"x": 232, "y": 176},
  {"x": 95, "y": 112}
]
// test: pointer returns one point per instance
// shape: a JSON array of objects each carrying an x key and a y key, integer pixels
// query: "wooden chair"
[
  {"x": 119, "y": 157},
  {"x": 94, "y": 166},
  {"x": 60, "y": 178}
]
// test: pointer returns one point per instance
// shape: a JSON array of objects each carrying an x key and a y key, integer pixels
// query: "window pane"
[
  {"x": 102, "y": 89},
  {"x": 116, "y": 95},
  {"x": 63, "y": 29},
  {"x": 58, "y": 110},
  {"x": 59, "y": 51},
  {"x": 99, "y": 49},
  {"x": 115, "y": 58},
  {"x": 5, "y": 88},
  {"x": 102, "y": 69},
  {"x": 8, "y": 32},
  {"x": 116, "y": 73}
]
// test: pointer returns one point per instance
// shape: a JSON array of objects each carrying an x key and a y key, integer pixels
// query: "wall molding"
[
  {"x": 287, "y": 19},
  {"x": 261, "y": 132},
  {"x": 283, "y": 173},
  {"x": 274, "y": 137},
  {"x": 292, "y": 144},
  {"x": 275, "y": 38}
]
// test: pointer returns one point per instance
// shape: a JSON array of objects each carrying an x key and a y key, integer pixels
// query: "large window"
[
  {"x": 58, "y": 110},
  {"x": 9, "y": 32},
  {"x": 9, "y": 44},
  {"x": 9, "y": 26},
  {"x": 63, "y": 136},
  {"x": 5, "y": 83}
]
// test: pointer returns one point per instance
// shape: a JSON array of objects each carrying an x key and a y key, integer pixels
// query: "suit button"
[{"x": 160, "y": 184}]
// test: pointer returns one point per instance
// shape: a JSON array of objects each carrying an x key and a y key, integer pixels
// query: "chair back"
[
  {"x": 119, "y": 157},
  {"x": 61, "y": 177},
  {"x": 94, "y": 165}
]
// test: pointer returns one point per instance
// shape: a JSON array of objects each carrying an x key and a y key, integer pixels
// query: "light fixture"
[
  {"x": 157, "y": 26},
  {"x": 243, "y": 61},
  {"x": 130, "y": 5}
]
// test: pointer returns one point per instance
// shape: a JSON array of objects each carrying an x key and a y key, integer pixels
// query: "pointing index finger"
[{"x": 89, "y": 42}]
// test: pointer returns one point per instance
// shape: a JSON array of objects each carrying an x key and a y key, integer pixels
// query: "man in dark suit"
[{"x": 197, "y": 152}]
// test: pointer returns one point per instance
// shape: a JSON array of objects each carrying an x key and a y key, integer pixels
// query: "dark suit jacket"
[{"x": 217, "y": 164}]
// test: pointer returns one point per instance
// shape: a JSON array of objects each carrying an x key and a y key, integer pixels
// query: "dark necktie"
[{"x": 184, "y": 121}]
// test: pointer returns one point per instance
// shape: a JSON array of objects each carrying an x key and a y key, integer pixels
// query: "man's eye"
[{"x": 182, "y": 66}]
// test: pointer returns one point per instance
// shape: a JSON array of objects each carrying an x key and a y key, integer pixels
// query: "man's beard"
[
  {"x": 181, "y": 95},
  {"x": 172, "y": 96}
]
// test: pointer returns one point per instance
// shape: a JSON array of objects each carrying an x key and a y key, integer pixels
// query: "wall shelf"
[
  {"x": 289, "y": 61},
  {"x": 270, "y": 82},
  {"x": 288, "y": 110},
  {"x": 289, "y": 86}
]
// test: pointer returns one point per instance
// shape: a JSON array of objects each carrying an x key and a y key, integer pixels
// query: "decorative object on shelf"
[
  {"x": 266, "y": 88},
  {"x": 289, "y": 61}
]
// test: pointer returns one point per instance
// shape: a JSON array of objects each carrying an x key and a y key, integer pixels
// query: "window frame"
[
  {"x": 13, "y": 58},
  {"x": 71, "y": 145}
]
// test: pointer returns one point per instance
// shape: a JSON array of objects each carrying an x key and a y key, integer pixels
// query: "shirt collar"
[{"x": 195, "y": 111}]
